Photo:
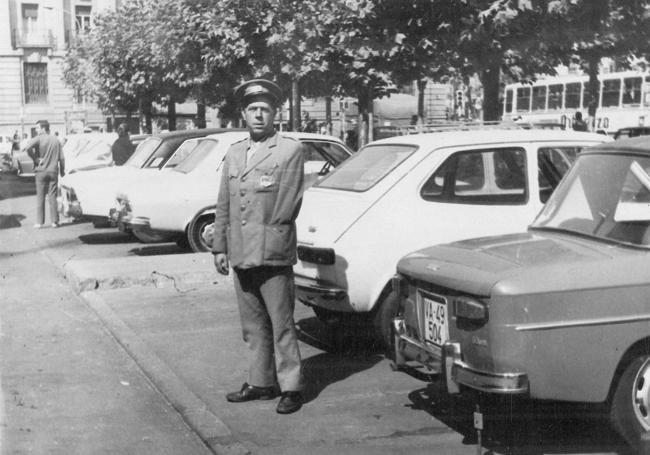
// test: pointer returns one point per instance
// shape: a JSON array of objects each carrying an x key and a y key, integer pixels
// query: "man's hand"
[{"x": 221, "y": 263}]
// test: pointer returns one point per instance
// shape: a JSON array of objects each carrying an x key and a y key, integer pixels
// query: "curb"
[
  {"x": 183, "y": 272},
  {"x": 210, "y": 428}
]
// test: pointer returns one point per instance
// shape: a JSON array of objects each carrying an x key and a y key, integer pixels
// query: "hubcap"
[{"x": 641, "y": 395}]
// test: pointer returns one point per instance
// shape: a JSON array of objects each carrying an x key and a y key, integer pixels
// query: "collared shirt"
[{"x": 254, "y": 146}]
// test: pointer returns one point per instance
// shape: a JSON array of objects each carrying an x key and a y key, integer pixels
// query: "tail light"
[
  {"x": 470, "y": 308},
  {"x": 321, "y": 256}
]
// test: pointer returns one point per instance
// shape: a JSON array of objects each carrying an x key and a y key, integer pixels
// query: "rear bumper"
[
  {"x": 313, "y": 292},
  {"x": 448, "y": 361}
]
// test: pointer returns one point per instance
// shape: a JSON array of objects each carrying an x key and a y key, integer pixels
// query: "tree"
[{"x": 587, "y": 31}]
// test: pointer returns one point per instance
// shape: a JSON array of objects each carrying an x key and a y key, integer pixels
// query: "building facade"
[{"x": 34, "y": 36}]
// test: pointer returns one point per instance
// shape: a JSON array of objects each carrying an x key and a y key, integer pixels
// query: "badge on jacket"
[{"x": 266, "y": 181}]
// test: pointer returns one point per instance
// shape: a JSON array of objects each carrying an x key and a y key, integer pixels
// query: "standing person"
[
  {"x": 46, "y": 151},
  {"x": 255, "y": 234},
  {"x": 578, "y": 123},
  {"x": 122, "y": 148}
]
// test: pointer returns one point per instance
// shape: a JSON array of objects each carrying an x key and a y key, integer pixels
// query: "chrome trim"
[
  {"x": 449, "y": 362},
  {"x": 582, "y": 323},
  {"x": 318, "y": 289},
  {"x": 138, "y": 221}
]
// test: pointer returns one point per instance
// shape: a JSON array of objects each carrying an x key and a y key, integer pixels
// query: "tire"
[
  {"x": 630, "y": 409},
  {"x": 382, "y": 321},
  {"x": 195, "y": 232},
  {"x": 330, "y": 318},
  {"x": 147, "y": 236},
  {"x": 182, "y": 242}
]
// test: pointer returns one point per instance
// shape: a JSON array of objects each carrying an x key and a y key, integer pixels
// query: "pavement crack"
[{"x": 172, "y": 278}]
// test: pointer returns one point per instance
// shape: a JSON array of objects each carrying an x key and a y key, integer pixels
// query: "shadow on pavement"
[
  {"x": 12, "y": 186},
  {"x": 341, "y": 360},
  {"x": 11, "y": 221},
  {"x": 518, "y": 426},
  {"x": 153, "y": 250},
  {"x": 106, "y": 238}
]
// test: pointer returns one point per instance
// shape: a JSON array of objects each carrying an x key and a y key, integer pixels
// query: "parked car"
[
  {"x": 179, "y": 203},
  {"x": 403, "y": 193},
  {"x": 632, "y": 131},
  {"x": 561, "y": 312},
  {"x": 91, "y": 194}
]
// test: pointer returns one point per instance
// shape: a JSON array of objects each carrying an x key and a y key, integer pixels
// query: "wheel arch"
[{"x": 638, "y": 348}]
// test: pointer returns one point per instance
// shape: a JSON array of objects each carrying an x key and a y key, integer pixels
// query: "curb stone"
[{"x": 210, "y": 428}]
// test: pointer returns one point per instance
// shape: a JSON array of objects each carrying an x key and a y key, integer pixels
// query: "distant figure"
[
  {"x": 578, "y": 123},
  {"x": 45, "y": 149},
  {"x": 122, "y": 148}
]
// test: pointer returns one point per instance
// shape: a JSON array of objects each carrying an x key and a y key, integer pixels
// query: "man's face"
[{"x": 259, "y": 114}]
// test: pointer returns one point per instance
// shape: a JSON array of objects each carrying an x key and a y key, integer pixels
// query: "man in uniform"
[
  {"x": 45, "y": 149},
  {"x": 255, "y": 234}
]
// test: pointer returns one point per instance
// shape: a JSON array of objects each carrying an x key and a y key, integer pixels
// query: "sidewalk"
[{"x": 67, "y": 386}]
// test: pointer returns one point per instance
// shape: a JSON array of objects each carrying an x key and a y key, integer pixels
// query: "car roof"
[
  {"x": 192, "y": 133},
  {"x": 638, "y": 144},
  {"x": 488, "y": 136},
  {"x": 296, "y": 135}
]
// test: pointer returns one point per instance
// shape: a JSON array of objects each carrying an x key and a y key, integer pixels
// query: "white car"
[
  {"x": 403, "y": 193},
  {"x": 180, "y": 202},
  {"x": 91, "y": 194}
]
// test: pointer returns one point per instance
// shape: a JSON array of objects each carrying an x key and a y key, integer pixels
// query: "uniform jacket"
[{"x": 258, "y": 203}]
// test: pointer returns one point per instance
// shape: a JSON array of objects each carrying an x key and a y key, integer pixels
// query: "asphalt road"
[{"x": 351, "y": 375}]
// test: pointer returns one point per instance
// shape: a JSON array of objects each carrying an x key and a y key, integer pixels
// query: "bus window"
[
  {"x": 555, "y": 93},
  {"x": 539, "y": 98},
  {"x": 611, "y": 92},
  {"x": 632, "y": 91},
  {"x": 508, "y": 101},
  {"x": 572, "y": 100},
  {"x": 523, "y": 99}
]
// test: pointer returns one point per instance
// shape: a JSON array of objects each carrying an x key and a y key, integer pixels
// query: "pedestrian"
[
  {"x": 578, "y": 123},
  {"x": 122, "y": 148},
  {"x": 255, "y": 233},
  {"x": 47, "y": 154}
]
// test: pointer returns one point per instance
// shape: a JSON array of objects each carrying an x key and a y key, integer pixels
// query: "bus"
[{"x": 623, "y": 100}]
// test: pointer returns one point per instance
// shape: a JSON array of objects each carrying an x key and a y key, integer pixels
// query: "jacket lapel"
[{"x": 262, "y": 153}]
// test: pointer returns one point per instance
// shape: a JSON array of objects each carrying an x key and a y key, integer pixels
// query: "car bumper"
[
  {"x": 313, "y": 292},
  {"x": 448, "y": 361}
]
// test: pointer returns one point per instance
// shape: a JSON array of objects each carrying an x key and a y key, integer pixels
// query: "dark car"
[
  {"x": 561, "y": 312},
  {"x": 632, "y": 131}
]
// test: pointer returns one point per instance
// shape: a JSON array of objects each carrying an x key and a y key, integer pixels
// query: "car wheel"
[
  {"x": 196, "y": 231},
  {"x": 182, "y": 242},
  {"x": 630, "y": 410},
  {"x": 330, "y": 318},
  {"x": 147, "y": 236},
  {"x": 382, "y": 321}
]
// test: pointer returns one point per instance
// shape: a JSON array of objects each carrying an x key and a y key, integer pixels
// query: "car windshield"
[
  {"x": 367, "y": 167},
  {"x": 143, "y": 151},
  {"x": 606, "y": 196},
  {"x": 182, "y": 152},
  {"x": 199, "y": 153}
]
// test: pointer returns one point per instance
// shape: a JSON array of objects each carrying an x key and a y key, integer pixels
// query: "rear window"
[{"x": 367, "y": 167}]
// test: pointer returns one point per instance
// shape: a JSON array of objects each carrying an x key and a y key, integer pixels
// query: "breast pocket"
[{"x": 266, "y": 179}]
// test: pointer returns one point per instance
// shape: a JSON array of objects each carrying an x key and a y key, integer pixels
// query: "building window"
[
  {"x": 30, "y": 17},
  {"x": 82, "y": 18},
  {"x": 35, "y": 83}
]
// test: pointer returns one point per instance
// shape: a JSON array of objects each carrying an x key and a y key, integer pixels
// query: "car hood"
[
  {"x": 525, "y": 263},
  {"x": 326, "y": 214}
]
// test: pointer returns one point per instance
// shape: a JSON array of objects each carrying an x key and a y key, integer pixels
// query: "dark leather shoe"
[
  {"x": 250, "y": 392},
  {"x": 289, "y": 402}
]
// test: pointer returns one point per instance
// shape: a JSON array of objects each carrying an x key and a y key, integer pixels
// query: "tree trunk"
[
  {"x": 592, "y": 91},
  {"x": 490, "y": 81},
  {"x": 171, "y": 114},
  {"x": 422, "y": 85},
  {"x": 200, "y": 114},
  {"x": 328, "y": 114},
  {"x": 144, "y": 114},
  {"x": 295, "y": 108}
]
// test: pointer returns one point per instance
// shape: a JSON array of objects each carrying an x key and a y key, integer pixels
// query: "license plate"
[{"x": 436, "y": 325}]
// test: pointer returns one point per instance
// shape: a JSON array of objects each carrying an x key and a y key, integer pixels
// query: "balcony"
[{"x": 35, "y": 37}]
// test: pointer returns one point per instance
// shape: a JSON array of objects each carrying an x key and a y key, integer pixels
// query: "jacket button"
[
  {"x": 242, "y": 192},
  {"x": 243, "y": 207},
  {"x": 243, "y": 222}
]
